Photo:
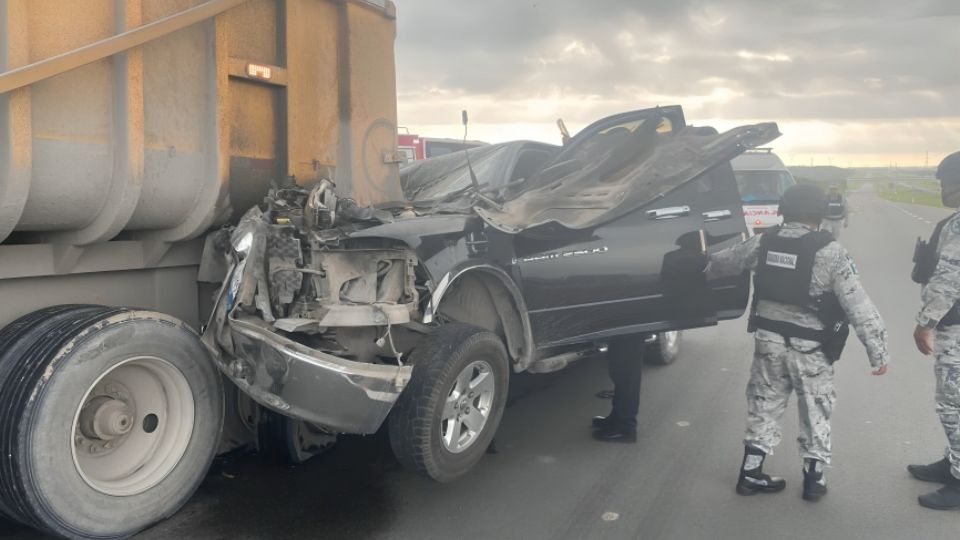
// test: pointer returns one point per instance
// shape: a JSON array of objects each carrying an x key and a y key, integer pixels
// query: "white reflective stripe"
[
  {"x": 756, "y": 481},
  {"x": 782, "y": 260},
  {"x": 752, "y": 462}
]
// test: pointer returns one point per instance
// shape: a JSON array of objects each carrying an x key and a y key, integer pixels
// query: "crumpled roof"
[
  {"x": 428, "y": 179},
  {"x": 614, "y": 177}
]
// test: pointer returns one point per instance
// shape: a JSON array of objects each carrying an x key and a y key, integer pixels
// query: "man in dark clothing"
[{"x": 625, "y": 357}]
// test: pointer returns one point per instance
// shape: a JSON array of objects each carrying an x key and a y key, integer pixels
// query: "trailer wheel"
[
  {"x": 665, "y": 349},
  {"x": 447, "y": 416},
  {"x": 109, "y": 419}
]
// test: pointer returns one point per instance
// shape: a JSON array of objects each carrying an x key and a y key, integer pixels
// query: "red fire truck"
[{"x": 414, "y": 147}]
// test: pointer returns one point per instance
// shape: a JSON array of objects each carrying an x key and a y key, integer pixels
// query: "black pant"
[{"x": 625, "y": 363}]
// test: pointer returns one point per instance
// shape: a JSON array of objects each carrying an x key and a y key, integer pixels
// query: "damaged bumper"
[
  {"x": 295, "y": 380},
  {"x": 302, "y": 321}
]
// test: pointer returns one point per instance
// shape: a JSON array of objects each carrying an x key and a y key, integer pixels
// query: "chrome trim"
[{"x": 297, "y": 381}]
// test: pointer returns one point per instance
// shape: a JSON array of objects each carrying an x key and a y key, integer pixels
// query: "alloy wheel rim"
[{"x": 467, "y": 407}]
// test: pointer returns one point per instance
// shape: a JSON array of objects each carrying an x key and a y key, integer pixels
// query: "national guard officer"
[
  {"x": 938, "y": 332},
  {"x": 806, "y": 290},
  {"x": 836, "y": 213}
]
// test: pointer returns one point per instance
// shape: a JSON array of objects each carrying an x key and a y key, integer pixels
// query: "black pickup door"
[{"x": 592, "y": 283}]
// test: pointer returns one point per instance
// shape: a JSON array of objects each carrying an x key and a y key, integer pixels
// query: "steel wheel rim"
[
  {"x": 133, "y": 426},
  {"x": 467, "y": 407},
  {"x": 669, "y": 341}
]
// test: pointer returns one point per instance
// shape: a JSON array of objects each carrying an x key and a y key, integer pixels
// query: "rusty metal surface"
[
  {"x": 152, "y": 133},
  {"x": 98, "y": 50},
  {"x": 140, "y": 115}
]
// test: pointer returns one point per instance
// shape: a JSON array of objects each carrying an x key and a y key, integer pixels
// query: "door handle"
[
  {"x": 717, "y": 215},
  {"x": 669, "y": 212}
]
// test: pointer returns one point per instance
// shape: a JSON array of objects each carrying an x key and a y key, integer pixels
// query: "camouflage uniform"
[
  {"x": 938, "y": 297},
  {"x": 833, "y": 226},
  {"x": 779, "y": 369}
]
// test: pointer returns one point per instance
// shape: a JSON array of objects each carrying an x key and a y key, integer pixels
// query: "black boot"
[
  {"x": 935, "y": 472},
  {"x": 603, "y": 421},
  {"x": 814, "y": 484},
  {"x": 613, "y": 429},
  {"x": 752, "y": 480},
  {"x": 945, "y": 498}
]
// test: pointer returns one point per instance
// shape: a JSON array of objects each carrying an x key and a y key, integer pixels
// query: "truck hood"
[{"x": 630, "y": 174}]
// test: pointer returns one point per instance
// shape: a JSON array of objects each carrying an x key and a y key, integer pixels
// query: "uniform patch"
[
  {"x": 853, "y": 265},
  {"x": 782, "y": 260}
]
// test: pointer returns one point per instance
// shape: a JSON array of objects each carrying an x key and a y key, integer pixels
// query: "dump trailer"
[{"x": 128, "y": 130}]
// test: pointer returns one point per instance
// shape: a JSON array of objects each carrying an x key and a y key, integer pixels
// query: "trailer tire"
[
  {"x": 109, "y": 419},
  {"x": 459, "y": 372}
]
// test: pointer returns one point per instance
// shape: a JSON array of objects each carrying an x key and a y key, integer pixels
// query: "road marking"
[
  {"x": 911, "y": 214},
  {"x": 683, "y": 423},
  {"x": 610, "y": 516}
]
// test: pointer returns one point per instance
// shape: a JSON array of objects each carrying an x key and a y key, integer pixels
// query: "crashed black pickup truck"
[{"x": 518, "y": 256}]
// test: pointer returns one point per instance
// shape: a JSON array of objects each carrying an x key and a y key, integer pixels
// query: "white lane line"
[{"x": 911, "y": 214}]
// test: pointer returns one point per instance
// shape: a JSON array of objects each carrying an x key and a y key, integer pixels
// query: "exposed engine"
[{"x": 296, "y": 270}]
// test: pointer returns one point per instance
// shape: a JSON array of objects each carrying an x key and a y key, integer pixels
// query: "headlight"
[
  {"x": 234, "y": 284},
  {"x": 242, "y": 245}
]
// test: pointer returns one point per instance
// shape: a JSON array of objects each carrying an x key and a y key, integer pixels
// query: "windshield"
[
  {"x": 763, "y": 186},
  {"x": 438, "y": 177},
  {"x": 442, "y": 148}
]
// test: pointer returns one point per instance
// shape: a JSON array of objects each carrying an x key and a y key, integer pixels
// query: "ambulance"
[{"x": 762, "y": 178}]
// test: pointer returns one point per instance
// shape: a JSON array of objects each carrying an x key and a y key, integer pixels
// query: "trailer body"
[{"x": 129, "y": 128}]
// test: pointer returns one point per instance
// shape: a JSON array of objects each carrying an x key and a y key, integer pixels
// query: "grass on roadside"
[{"x": 903, "y": 194}]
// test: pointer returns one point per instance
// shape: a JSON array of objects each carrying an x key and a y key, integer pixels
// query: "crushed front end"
[{"x": 305, "y": 320}]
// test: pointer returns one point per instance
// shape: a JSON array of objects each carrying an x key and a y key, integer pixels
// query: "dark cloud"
[{"x": 856, "y": 59}]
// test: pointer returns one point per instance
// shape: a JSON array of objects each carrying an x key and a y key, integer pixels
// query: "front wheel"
[
  {"x": 290, "y": 441},
  {"x": 665, "y": 349},
  {"x": 447, "y": 416},
  {"x": 116, "y": 416}
]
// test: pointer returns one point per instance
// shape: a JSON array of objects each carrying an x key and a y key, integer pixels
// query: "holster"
[{"x": 836, "y": 327}]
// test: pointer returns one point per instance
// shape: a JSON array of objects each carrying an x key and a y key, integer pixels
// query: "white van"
[{"x": 762, "y": 179}]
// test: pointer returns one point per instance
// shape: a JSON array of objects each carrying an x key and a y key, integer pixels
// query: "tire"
[
  {"x": 665, "y": 349},
  {"x": 289, "y": 441},
  {"x": 452, "y": 364},
  {"x": 109, "y": 419}
]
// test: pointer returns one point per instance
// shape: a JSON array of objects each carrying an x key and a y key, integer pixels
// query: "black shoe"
[
  {"x": 753, "y": 480},
  {"x": 934, "y": 472},
  {"x": 945, "y": 498},
  {"x": 603, "y": 421},
  {"x": 764, "y": 483},
  {"x": 814, "y": 484},
  {"x": 616, "y": 431}
]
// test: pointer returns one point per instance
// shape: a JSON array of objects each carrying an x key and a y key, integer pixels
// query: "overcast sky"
[{"x": 862, "y": 82}]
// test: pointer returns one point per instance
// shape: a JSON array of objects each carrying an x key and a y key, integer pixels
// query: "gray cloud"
[{"x": 853, "y": 59}]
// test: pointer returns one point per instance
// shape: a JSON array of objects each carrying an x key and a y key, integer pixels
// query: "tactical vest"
[
  {"x": 925, "y": 257},
  {"x": 784, "y": 274},
  {"x": 835, "y": 208}
]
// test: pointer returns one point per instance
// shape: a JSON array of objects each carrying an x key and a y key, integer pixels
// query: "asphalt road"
[{"x": 549, "y": 480}]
